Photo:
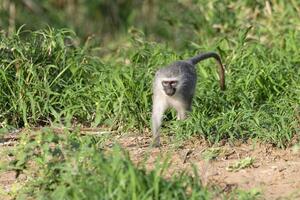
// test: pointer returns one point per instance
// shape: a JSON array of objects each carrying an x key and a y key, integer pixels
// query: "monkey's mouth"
[{"x": 170, "y": 92}]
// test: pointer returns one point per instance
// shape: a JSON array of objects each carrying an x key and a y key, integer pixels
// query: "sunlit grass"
[
  {"x": 70, "y": 166},
  {"x": 46, "y": 79}
]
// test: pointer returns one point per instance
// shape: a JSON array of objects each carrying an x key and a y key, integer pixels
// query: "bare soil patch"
[
  {"x": 275, "y": 172},
  {"x": 8, "y": 179}
]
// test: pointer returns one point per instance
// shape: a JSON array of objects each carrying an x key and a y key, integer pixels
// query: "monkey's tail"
[{"x": 203, "y": 56}]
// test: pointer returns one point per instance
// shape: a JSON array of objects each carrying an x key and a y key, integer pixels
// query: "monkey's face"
[{"x": 169, "y": 87}]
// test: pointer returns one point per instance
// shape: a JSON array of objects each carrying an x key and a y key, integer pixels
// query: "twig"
[{"x": 187, "y": 154}]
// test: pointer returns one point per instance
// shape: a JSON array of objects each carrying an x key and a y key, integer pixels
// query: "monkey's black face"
[{"x": 169, "y": 87}]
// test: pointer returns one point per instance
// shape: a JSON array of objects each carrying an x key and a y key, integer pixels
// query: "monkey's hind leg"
[{"x": 159, "y": 107}]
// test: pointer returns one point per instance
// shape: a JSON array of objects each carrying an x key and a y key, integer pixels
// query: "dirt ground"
[{"x": 275, "y": 172}]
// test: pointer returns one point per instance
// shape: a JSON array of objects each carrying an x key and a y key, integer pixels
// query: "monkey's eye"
[
  {"x": 173, "y": 83},
  {"x": 165, "y": 83}
]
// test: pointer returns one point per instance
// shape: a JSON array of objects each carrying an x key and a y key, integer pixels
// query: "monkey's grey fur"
[{"x": 174, "y": 86}]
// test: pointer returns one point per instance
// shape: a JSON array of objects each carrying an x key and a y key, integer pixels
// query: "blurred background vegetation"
[{"x": 177, "y": 22}]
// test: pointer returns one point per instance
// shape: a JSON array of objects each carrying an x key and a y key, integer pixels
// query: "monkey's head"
[{"x": 169, "y": 86}]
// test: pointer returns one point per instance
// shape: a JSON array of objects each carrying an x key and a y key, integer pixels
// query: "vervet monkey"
[{"x": 174, "y": 86}]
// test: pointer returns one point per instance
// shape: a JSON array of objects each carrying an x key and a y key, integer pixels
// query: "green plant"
[
  {"x": 70, "y": 166},
  {"x": 241, "y": 164}
]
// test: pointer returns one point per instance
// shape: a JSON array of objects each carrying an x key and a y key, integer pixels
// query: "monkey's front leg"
[
  {"x": 181, "y": 115},
  {"x": 181, "y": 112},
  {"x": 159, "y": 107}
]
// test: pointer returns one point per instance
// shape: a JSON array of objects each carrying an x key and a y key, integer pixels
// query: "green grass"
[
  {"x": 70, "y": 166},
  {"x": 45, "y": 78},
  {"x": 211, "y": 153},
  {"x": 241, "y": 164},
  {"x": 48, "y": 77}
]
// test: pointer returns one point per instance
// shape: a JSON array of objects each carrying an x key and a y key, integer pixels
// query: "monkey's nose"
[{"x": 170, "y": 92}]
